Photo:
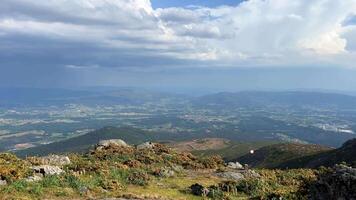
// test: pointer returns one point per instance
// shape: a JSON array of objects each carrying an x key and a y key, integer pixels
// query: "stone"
[
  {"x": 251, "y": 174},
  {"x": 199, "y": 190},
  {"x": 146, "y": 145},
  {"x": 164, "y": 172},
  {"x": 46, "y": 170},
  {"x": 235, "y": 176},
  {"x": 114, "y": 142},
  {"x": 34, "y": 178},
  {"x": 55, "y": 160},
  {"x": 235, "y": 165},
  {"x": 3, "y": 182}
]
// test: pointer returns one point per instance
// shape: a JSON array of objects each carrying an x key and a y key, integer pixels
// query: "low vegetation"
[{"x": 153, "y": 172}]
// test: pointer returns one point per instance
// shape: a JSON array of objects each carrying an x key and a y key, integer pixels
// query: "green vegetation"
[
  {"x": 234, "y": 149},
  {"x": 275, "y": 156},
  {"x": 300, "y": 156},
  {"x": 155, "y": 172}
]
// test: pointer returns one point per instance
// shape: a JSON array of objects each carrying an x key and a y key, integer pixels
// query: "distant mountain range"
[
  {"x": 89, "y": 96},
  {"x": 266, "y": 99},
  {"x": 112, "y": 95}
]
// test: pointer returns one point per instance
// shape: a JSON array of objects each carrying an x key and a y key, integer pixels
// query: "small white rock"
[
  {"x": 34, "y": 178},
  {"x": 48, "y": 170},
  {"x": 146, "y": 145},
  {"x": 116, "y": 142},
  {"x": 3, "y": 182},
  {"x": 235, "y": 165}
]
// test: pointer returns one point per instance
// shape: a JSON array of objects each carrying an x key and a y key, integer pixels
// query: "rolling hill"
[
  {"x": 84, "y": 142},
  {"x": 277, "y": 155},
  {"x": 301, "y": 156},
  {"x": 346, "y": 153}
]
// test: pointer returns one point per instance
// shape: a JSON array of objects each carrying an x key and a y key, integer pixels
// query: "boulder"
[
  {"x": 146, "y": 145},
  {"x": 235, "y": 176},
  {"x": 3, "y": 182},
  {"x": 164, "y": 172},
  {"x": 235, "y": 165},
  {"x": 55, "y": 160},
  {"x": 34, "y": 178},
  {"x": 114, "y": 142},
  {"x": 46, "y": 170}
]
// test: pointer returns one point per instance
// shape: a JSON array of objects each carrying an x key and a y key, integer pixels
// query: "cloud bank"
[{"x": 89, "y": 34}]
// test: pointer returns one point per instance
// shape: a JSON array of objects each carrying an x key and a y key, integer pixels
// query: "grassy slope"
[
  {"x": 109, "y": 172},
  {"x": 276, "y": 156},
  {"x": 235, "y": 149},
  {"x": 346, "y": 153}
]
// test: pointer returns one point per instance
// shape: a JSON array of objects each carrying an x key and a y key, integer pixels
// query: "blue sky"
[{"x": 256, "y": 44}]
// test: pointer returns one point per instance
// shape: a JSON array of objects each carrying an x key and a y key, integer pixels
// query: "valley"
[{"x": 318, "y": 118}]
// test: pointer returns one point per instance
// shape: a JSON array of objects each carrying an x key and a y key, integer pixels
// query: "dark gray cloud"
[{"x": 87, "y": 42}]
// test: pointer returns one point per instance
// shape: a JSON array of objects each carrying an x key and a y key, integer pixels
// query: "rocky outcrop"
[
  {"x": 235, "y": 176},
  {"x": 113, "y": 142},
  {"x": 146, "y": 145},
  {"x": 47, "y": 170},
  {"x": 235, "y": 165},
  {"x": 339, "y": 183},
  {"x": 55, "y": 160}
]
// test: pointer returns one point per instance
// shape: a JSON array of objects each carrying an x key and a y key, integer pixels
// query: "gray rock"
[
  {"x": 55, "y": 160},
  {"x": 146, "y": 145},
  {"x": 251, "y": 174},
  {"x": 236, "y": 176},
  {"x": 3, "y": 182},
  {"x": 165, "y": 172},
  {"x": 235, "y": 165},
  {"x": 34, "y": 178},
  {"x": 46, "y": 170},
  {"x": 115, "y": 142}
]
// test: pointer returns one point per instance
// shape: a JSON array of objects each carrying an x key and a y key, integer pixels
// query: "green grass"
[{"x": 235, "y": 149}]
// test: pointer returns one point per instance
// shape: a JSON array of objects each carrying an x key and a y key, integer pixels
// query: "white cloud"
[{"x": 255, "y": 32}]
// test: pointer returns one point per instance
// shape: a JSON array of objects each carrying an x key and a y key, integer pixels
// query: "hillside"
[
  {"x": 276, "y": 156},
  {"x": 84, "y": 142},
  {"x": 346, "y": 153},
  {"x": 233, "y": 149},
  {"x": 150, "y": 171}
]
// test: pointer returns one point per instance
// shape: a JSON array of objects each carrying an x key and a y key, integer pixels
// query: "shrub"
[
  {"x": 138, "y": 178},
  {"x": 13, "y": 168}
]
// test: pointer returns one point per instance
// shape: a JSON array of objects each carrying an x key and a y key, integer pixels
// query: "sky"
[{"x": 226, "y": 44}]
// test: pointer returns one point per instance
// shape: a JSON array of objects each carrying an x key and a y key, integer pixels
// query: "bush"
[
  {"x": 138, "y": 178},
  {"x": 13, "y": 168}
]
